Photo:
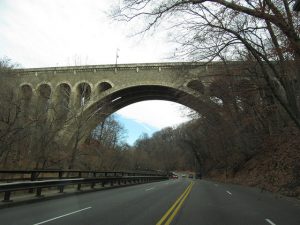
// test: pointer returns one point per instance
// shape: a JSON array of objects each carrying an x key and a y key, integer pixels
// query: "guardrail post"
[
  {"x": 119, "y": 182},
  {"x": 32, "y": 178},
  {"x": 38, "y": 192},
  {"x": 61, "y": 189},
  {"x": 92, "y": 185},
  {"x": 60, "y": 174},
  {"x": 7, "y": 196},
  {"x": 112, "y": 183},
  {"x": 78, "y": 187}
]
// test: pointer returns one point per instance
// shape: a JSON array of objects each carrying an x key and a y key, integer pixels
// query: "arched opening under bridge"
[{"x": 106, "y": 105}]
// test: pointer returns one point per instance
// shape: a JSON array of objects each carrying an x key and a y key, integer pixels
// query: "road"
[{"x": 181, "y": 202}]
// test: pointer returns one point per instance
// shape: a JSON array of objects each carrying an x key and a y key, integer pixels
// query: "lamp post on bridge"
[{"x": 117, "y": 56}]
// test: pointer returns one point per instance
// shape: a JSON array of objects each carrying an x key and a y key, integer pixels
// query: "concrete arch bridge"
[{"x": 77, "y": 98}]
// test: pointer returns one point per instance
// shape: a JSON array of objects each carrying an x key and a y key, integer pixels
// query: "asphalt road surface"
[{"x": 181, "y": 202}]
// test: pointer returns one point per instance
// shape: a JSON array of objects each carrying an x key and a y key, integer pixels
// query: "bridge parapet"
[{"x": 208, "y": 67}]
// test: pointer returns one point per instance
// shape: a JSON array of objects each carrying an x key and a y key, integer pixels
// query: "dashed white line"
[
  {"x": 229, "y": 192},
  {"x": 149, "y": 189},
  {"x": 270, "y": 222},
  {"x": 55, "y": 218}
]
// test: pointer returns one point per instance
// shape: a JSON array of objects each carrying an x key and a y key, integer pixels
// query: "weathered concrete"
[{"x": 83, "y": 95}]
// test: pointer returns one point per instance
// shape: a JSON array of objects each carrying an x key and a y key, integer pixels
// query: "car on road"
[
  {"x": 191, "y": 175},
  {"x": 174, "y": 176}
]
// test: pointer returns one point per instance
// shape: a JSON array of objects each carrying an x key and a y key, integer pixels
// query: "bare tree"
[
  {"x": 226, "y": 30},
  {"x": 12, "y": 128}
]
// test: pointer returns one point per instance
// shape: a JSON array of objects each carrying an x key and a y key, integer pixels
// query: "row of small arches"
[
  {"x": 84, "y": 89},
  {"x": 63, "y": 91}
]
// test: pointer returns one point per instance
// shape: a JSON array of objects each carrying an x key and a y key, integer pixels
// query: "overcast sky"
[{"x": 42, "y": 33}]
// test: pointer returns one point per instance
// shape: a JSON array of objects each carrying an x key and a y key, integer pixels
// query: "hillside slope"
[{"x": 276, "y": 168}]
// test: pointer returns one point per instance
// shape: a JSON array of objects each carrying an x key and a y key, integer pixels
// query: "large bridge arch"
[{"x": 114, "y": 100}]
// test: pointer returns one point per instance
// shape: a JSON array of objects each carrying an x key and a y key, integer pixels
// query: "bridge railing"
[{"x": 37, "y": 180}]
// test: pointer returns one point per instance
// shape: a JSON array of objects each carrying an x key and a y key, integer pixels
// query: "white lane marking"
[
  {"x": 149, "y": 189},
  {"x": 55, "y": 218},
  {"x": 270, "y": 222},
  {"x": 229, "y": 192}
]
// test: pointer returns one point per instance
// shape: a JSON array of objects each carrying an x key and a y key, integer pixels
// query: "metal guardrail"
[
  {"x": 32, "y": 175},
  {"x": 108, "y": 177}
]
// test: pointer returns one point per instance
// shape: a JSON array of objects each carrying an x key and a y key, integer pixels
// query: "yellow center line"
[
  {"x": 178, "y": 202},
  {"x": 178, "y": 207}
]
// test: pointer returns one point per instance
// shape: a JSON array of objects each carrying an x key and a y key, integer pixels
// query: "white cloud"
[{"x": 156, "y": 113}]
